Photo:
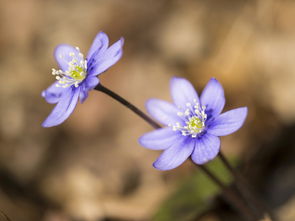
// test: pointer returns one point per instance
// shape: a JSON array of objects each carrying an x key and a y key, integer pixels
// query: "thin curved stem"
[
  {"x": 229, "y": 194},
  {"x": 127, "y": 104}
]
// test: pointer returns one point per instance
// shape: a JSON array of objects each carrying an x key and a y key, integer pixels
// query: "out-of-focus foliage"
[{"x": 194, "y": 196}]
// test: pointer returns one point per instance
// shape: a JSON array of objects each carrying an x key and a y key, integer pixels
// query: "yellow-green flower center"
[
  {"x": 76, "y": 73},
  {"x": 193, "y": 120},
  {"x": 195, "y": 124}
]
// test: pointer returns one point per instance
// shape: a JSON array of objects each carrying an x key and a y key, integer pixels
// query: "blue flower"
[
  {"x": 192, "y": 124},
  {"x": 77, "y": 75}
]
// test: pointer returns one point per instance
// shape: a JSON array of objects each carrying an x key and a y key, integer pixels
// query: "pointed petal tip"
[
  {"x": 165, "y": 167},
  {"x": 159, "y": 166},
  {"x": 215, "y": 81},
  {"x": 107, "y": 58},
  {"x": 198, "y": 162},
  {"x": 201, "y": 161},
  {"x": 155, "y": 165},
  {"x": 149, "y": 101},
  {"x": 182, "y": 92},
  {"x": 61, "y": 46},
  {"x": 159, "y": 139},
  {"x": 122, "y": 40},
  {"x": 245, "y": 108},
  {"x": 213, "y": 97},
  {"x": 244, "y": 111},
  {"x": 50, "y": 123},
  {"x": 175, "y": 155},
  {"x": 175, "y": 78},
  {"x": 141, "y": 141},
  {"x": 204, "y": 160},
  {"x": 44, "y": 125},
  {"x": 102, "y": 33},
  {"x": 62, "y": 55},
  {"x": 47, "y": 124},
  {"x": 228, "y": 122}
]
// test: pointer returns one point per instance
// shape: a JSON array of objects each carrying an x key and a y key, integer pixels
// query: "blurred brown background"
[{"x": 91, "y": 167}]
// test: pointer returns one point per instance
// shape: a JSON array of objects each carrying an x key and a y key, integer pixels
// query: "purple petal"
[
  {"x": 183, "y": 92},
  {"x": 159, "y": 139},
  {"x": 175, "y": 155},
  {"x": 163, "y": 111},
  {"x": 52, "y": 94},
  {"x": 88, "y": 84},
  {"x": 91, "y": 82},
  {"x": 64, "y": 107},
  {"x": 107, "y": 59},
  {"x": 206, "y": 149},
  {"x": 99, "y": 45},
  {"x": 213, "y": 98},
  {"x": 83, "y": 95},
  {"x": 228, "y": 122},
  {"x": 62, "y": 55}
]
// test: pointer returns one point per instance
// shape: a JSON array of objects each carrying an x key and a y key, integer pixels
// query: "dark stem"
[
  {"x": 121, "y": 100},
  {"x": 244, "y": 189},
  {"x": 231, "y": 196}
]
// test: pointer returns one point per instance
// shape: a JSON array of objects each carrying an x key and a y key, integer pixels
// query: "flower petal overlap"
[
  {"x": 192, "y": 125},
  {"x": 77, "y": 75}
]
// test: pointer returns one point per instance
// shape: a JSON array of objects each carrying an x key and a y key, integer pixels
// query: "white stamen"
[
  {"x": 76, "y": 73},
  {"x": 180, "y": 114},
  {"x": 194, "y": 117}
]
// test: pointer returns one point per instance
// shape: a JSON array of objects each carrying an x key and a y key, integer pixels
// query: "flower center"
[
  {"x": 76, "y": 73},
  {"x": 194, "y": 117}
]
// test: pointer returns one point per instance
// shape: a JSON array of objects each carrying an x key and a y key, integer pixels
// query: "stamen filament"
[
  {"x": 194, "y": 117},
  {"x": 76, "y": 73}
]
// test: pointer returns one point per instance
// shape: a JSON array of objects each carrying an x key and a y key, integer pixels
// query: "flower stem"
[
  {"x": 127, "y": 104},
  {"x": 231, "y": 196},
  {"x": 243, "y": 187}
]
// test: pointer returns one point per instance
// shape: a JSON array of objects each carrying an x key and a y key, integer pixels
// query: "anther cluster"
[
  {"x": 76, "y": 73},
  {"x": 194, "y": 117}
]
